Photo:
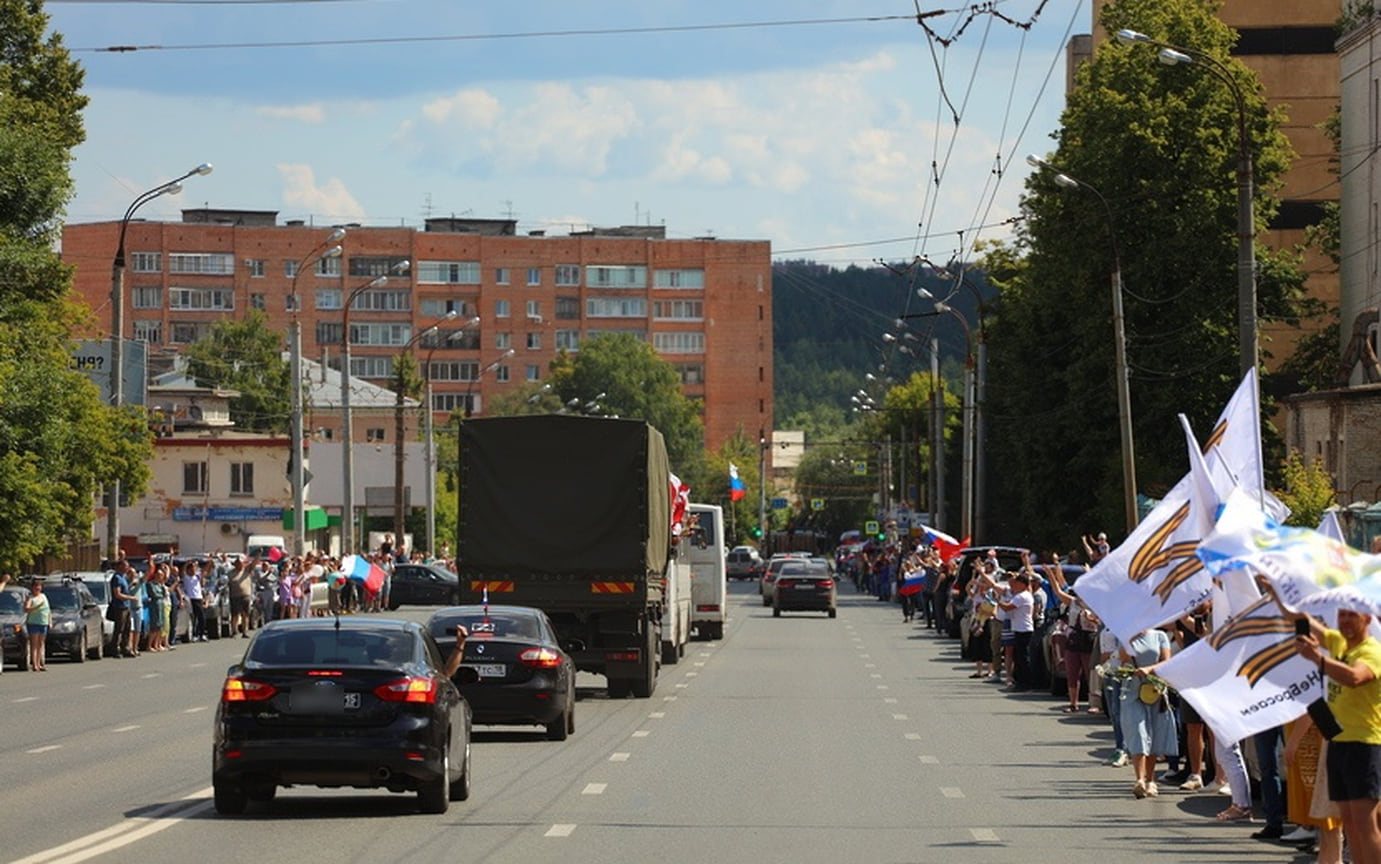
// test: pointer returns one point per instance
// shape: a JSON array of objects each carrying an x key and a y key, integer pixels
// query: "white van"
[{"x": 258, "y": 545}]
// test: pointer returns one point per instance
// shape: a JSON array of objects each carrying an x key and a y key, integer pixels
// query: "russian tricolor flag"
[
  {"x": 913, "y": 582},
  {"x": 946, "y": 545},
  {"x": 360, "y": 569},
  {"x": 736, "y": 487}
]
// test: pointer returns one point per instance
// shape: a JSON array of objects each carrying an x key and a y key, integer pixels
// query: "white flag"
[{"x": 1236, "y": 440}]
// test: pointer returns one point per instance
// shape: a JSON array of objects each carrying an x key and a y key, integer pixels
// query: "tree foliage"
[
  {"x": 247, "y": 356},
  {"x": 1160, "y": 144},
  {"x": 1308, "y": 490}
]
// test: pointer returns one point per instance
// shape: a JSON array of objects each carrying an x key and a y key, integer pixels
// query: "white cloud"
[
  {"x": 332, "y": 199},
  {"x": 469, "y": 107},
  {"x": 313, "y": 114}
]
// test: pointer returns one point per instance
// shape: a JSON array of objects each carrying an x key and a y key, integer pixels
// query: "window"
[
  {"x": 201, "y": 263},
  {"x": 328, "y": 333},
  {"x": 371, "y": 367},
  {"x": 640, "y": 335},
  {"x": 382, "y": 301},
  {"x": 678, "y": 310},
  {"x": 449, "y": 272},
  {"x": 500, "y": 308},
  {"x": 503, "y": 341},
  {"x": 679, "y": 343},
  {"x": 377, "y": 265},
  {"x": 147, "y": 297},
  {"x": 616, "y": 307},
  {"x": 679, "y": 279},
  {"x": 455, "y": 370},
  {"x": 568, "y": 340},
  {"x": 534, "y": 308},
  {"x": 220, "y": 299},
  {"x": 465, "y": 340},
  {"x": 380, "y": 334},
  {"x": 568, "y": 308},
  {"x": 187, "y": 332},
  {"x": 448, "y": 402},
  {"x": 500, "y": 373},
  {"x": 146, "y": 262},
  {"x": 615, "y": 276},
  {"x": 436, "y": 308},
  {"x": 241, "y": 478},
  {"x": 194, "y": 478},
  {"x": 290, "y": 269},
  {"x": 257, "y": 301},
  {"x": 328, "y": 266},
  {"x": 534, "y": 341},
  {"x": 326, "y": 434},
  {"x": 255, "y": 266},
  {"x": 291, "y": 302},
  {"x": 534, "y": 275},
  {"x": 374, "y": 435},
  {"x": 691, "y": 373},
  {"x": 328, "y": 299},
  {"x": 534, "y": 373},
  {"x": 567, "y": 274},
  {"x": 501, "y": 276},
  {"x": 148, "y": 331}
]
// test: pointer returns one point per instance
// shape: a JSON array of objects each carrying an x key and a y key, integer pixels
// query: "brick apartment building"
[{"x": 704, "y": 304}]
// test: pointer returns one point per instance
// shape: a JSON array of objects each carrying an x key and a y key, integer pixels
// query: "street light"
[
  {"x": 1124, "y": 395},
  {"x": 1173, "y": 55},
  {"x": 430, "y": 433},
  {"x": 117, "y": 321},
  {"x": 398, "y": 454},
  {"x": 470, "y": 388},
  {"x": 348, "y": 451},
  {"x": 297, "y": 468}
]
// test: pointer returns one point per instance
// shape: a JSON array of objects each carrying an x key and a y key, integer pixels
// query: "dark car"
[
  {"x": 15, "y": 640},
  {"x": 805, "y": 587},
  {"x": 743, "y": 562},
  {"x": 525, "y": 675},
  {"x": 955, "y": 599},
  {"x": 423, "y": 585},
  {"x": 330, "y": 702},
  {"x": 77, "y": 628}
]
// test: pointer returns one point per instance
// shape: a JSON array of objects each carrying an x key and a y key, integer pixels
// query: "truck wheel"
[
  {"x": 647, "y": 682},
  {"x": 669, "y": 654},
  {"x": 230, "y": 799}
]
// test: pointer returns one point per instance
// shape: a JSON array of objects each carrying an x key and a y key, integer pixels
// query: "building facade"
[{"x": 705, "y": 305}]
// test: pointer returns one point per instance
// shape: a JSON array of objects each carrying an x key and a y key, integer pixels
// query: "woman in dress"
[
  {"x": 1148, "y": 724},
  {"x": 155, "y": 597}
]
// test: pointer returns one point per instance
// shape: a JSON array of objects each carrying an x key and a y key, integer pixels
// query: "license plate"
[
  {"x": 488, "y": 670},
  {"x": 321, "y": 700},
  {"x": 805, "y": 587}
]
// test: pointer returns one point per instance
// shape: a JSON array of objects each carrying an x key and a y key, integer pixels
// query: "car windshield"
[
  {"x": 10, "y": 604},
  {"x": 297, "y": 647},
  {"x": 63, "y": 598},
  {"x": 100, "y": 590},
  {"x": 497, "y": 626}
]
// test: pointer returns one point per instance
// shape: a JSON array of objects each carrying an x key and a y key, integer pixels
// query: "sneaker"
[
  {"x": 1119, "y": 758},
  {"x": 1300, "y": 835},
  {"x": 1152, "y": 790},
  {"x": 1192, "y": 783},
  {"x": 1218, "y": 785}
]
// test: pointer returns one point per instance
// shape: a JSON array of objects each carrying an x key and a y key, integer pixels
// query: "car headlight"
[{"x": 68, "y": 626}]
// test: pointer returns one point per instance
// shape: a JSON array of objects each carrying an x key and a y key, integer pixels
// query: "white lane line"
[
  {"x": 984, "y": 835},
  {"x": 865, "y": 656},
  {"x": 875, "y": 675},
  {"x": 195, "y": 710},
  {"x": 195, "y": 665},
  {"x": 700, "y": 664},
  {"x": 118, "y": 835},
  {"x": 899, "y": 717},
  {"x": 951, "y": 792},
  {"x": 618, "y": 757},
  {"x": 870, "y": 665},
  {"x": 25, "y": 699},
  {"x": 657, "y": 715},
  {"x": 126, "y": 728},
  {"x": 559, "y": 831},
  {"x": 692, "y": 674},
  {"x": 683, "y": 685},
  {"x": 929, "y": 760},
  {"x": 913, "y": 736},
  {"x": 641, "y": 733},
  {"x": 594, "y": 789},
  {"x": 151, "y": 675},
  {"x": 668, "y": 698},
  {"x": 45, "y": 749},
  {"x": 93, "y": 686},
  {"x": 889, "y": 701},
  {"x": 883, "y": 687}
]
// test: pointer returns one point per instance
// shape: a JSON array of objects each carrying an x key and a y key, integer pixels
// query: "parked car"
[
  {"x": 743, "y": 562},
  {"x": 956, "y": 598},
  {"x": 359, "y": 702},
  {"x": 423, "y": 585},
  {"x": 98, "y": 583},
  {"x": 804, "y": 587},
  {"x": 523, "y": 674},
  {"x": 15, "y": 639},
  {"x": 77, "y": 628}
]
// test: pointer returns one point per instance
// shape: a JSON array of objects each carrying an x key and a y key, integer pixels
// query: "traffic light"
[{"x": 757, "y": 533}]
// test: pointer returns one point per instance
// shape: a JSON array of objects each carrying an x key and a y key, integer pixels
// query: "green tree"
[
  {"x": 1308, "y": 490},
  {"x": 827, "y": 472},
  {"x": 246, "y": 356},
  {"x": 1160, "y": 144}
]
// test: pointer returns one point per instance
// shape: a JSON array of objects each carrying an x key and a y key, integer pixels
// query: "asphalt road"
[{"x": 798, "y": 739}]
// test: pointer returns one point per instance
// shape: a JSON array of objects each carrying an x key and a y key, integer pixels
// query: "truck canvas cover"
[{"x": 583, "y": 496}]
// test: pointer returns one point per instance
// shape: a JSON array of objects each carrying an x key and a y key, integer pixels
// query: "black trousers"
[
  {"x": 1021, "y": 650},
  {"x": 198, "y": 618}
]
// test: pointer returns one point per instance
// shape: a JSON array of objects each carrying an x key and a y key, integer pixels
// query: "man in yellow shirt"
[{"x": 1350, "y": 670}]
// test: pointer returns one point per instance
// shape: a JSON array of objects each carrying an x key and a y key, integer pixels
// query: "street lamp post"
[
  {"x": 347, "y": 433},
  {"x": 1124, "y": 395},
  {"x": 117, "y": 322},
  {"x": 398, "y": 452},
  {"x": 431, "y": 435},
  {"x": 470, "y": 388},
  {"x": 1172, "y": 55}
]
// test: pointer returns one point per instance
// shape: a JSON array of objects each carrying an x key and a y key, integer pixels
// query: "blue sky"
[{"x": 812, "y": 128}]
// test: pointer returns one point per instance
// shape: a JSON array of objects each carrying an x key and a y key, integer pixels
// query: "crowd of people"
[{"x": 1317, "y": 788}]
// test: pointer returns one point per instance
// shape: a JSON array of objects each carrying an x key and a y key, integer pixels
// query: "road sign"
[
  {"x": 870, "y": 527},
  {"x": 778, "y": 503},
  {"x": 93, "y": 357},
  {"x": 860, "y": 468},
  {"x": 817, "y": 503}
]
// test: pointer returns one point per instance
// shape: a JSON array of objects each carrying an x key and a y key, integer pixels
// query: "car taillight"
[
  {"x": 707, "y": 607},
  {"x": 825, "y": 583},
  {"x": 246, "y": 690},
  {"x": 421, "y": 690},
  {"x": 540, "y": 658}
]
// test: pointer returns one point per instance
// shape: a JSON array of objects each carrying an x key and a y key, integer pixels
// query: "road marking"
[
  {"x": 984, "y": 835},
  {"x": 699, "y": 664},
  {"x": 641, "y": 733},
  {"x": 692, "y": 674},
  {"x": 195, "y": 710},
  {"x": 889, "y": 701},
  {"x": 93, "y": 686},
  {"x": 126, "y": 728},
  {"x": 668, "y": 698},
  {"x": 657, "y": 715},
  {"x": 559, "y": 831},
  {"x": 195, "y": 665},
  {"x": 913, "y": 736},
  {"x": 683, "y": 685},
  {"x": 870, "y": 665},
  {"x": 865, "y": 656},
  {"x": 45, "y": 749},
  {"x": 875, "y": 675},
  {"x": 116, "y": 836},
  {"x": 883, "y": 687},
  {"x": 594, "y": 788},
  {"x": 618, "y": 757},
  {"x": 899, "y": 717},
  {"x": 929, "y": 760},
  {"x": 952, "y": 792},
  {"x": 151, "y": 675},
  {"x": 26, "y": 699},
  {"x": 703, "y": 654}
]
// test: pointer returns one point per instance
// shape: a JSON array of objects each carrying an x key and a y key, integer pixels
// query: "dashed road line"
[
  {"x": 929, "y": 760},
  {"x": 559, "y": 831},
  {"x": 126, "y": 728},
  {"x": 984, "y": 835},
  {"x": 890, "y": 700},
  {"x": 882, "y": 686},
  {"x": 913, "y": 736},
  {"x": 657, "y": 715},
  {"x": 951, "y": 792},
  {"x": 93, "y": 686},
  {"x": 900, "y": 717},
  {"x": 50, "y": 747},
  {"x": 692, "y": 674},
  {"x": 195, "y": 710},
  {"x": 149, "y": 675},
  {"x": 641, "y": 733},
  {"x": 683, "y": 685},
  {"x": 618, "y": 757},
  {"x": 668, "y": 698},
  {"x": 875, "y": 675},
  {"x": 25, "y": 699},
  {"x": 594, "y": 789}
]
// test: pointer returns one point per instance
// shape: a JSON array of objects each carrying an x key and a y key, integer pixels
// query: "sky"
[{"x": 822, "y": 126}]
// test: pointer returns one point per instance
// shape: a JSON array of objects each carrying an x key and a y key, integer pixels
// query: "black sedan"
[
  {"x": 525, "y": 677},
  {"x": 77, "y": 629},
  {"x": 363, "y": 703},
  {"x": 15, "y": 639},
  {"x": 423, "y": 585},
  {"x": 804, "y": 587}
]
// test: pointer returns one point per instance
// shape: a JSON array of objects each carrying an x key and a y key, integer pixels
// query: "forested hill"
[{"x": 828, "y": 326}]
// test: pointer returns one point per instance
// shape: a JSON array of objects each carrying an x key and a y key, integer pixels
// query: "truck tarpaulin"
[{"x": 594, "y": 502}]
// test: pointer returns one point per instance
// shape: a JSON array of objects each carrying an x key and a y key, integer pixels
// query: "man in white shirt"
[
  {"x": 1019, "y": 606},
  {"x": 192, "y": 590}
]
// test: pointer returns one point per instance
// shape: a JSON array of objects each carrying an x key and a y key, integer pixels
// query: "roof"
[{"x": 322, "y": 390}]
